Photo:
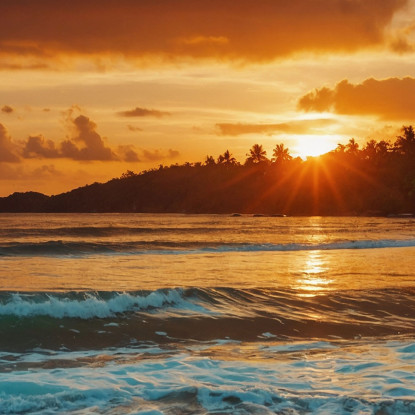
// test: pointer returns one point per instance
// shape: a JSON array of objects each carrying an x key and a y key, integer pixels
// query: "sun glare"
[{"x": 313, "y": 146}]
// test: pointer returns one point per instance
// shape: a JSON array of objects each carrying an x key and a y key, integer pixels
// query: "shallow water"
[{"x": 206, "y": 314}]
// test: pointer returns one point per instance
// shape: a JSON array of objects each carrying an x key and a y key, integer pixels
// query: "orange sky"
[{"x": 90, "y": 89}]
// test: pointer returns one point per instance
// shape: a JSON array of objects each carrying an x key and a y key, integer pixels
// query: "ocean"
[{"x": 206, "y": 314}]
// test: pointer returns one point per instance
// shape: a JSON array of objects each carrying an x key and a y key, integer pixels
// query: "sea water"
[{"x": 206, "y": 314}]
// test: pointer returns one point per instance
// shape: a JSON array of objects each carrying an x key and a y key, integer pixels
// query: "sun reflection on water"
[{"x": 313, "y": 278}]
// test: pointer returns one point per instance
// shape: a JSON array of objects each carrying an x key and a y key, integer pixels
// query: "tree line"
[{"x": 376, "y": 179}]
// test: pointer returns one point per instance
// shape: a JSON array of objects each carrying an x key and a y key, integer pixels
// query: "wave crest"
[{"x": 88, "y": 305}]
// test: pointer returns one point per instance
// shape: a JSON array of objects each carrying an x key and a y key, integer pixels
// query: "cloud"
[
  {"x": 128, "y": 154},
  {"x": 389, "y": 99},
  {"x": 46, "y": 171},
  {"x": 402, "y": 41},
  {"x": 21, "y": 172},
  {"x": 134, "y": 128},
  {"x": 293, "y": 127},
  {"x": 226, "y": 29},
  {"x": 86, "y": 145},
  {"x": 158, "y": 154},
  {"x": 92, "y": 144},
  {"x": 7, "y": 109},
  {"x": 143, "y": 112},
  {"x": 401, "y": 45},
  {"x": 172, "y": 154},
  {"x": 37, "y": 146},
  {"x": 8, "y": 150}
]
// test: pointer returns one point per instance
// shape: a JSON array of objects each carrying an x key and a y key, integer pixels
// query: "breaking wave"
[{"x": 203, "y": 314}]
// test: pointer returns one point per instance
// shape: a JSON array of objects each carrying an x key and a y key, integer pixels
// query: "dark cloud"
[
  {"x": 87, "y": 144},
  {"x": 8, "y": 150},
  {"x": 92, "y": 145},
  {"x": 7, "y": 109},
  {"x": 226, "y": 29},
  {"x": 143, "y": 112},
  {"x": 128, "y": 154},
  {"x": 389, "y": 99},
  {"x": 37, "y": 146},
  {"x": 293, "y": 127}
]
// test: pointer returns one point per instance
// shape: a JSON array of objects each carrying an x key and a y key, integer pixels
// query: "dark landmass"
[{"x": 378, "y": 179}]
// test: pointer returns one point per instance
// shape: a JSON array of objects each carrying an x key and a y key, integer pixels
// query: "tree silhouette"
[
  {"x": 382, "y": 148},
  {"x": 405, "y": 144},
  {"x": 281, "y": 154},
  {"x": 226, "y": 158},
  {"x": 378, "y": 179},
  {"x": 209, "y": 161},
  {"x": 352, "y": 146},
  {"x": 128, "y": 173},
  {"x": 370, "y": 149},
  {"x": 256, "y": 154},
  {"x": 341, "y": 148},
  {"x": 376, "y": 150}
]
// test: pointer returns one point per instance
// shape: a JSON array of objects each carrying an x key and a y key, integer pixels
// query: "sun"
[{"x": 313, "y": 146}]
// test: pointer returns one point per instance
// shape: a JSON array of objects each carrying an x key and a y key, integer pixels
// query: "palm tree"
[
  {"x": 341, "y": 148},
  {"x": 405, "y": 144},
  {"x": 226, "y": 158},
  {"x": 369, "y": 150},
  {"x": 352, "y": 146},
  {"x": 257, "y": 154},
  {"x": 210, "y": 161},
  {"x": 280, "y": 154},
  {"x": 374, "y": 149},
  {"x": 383, "y": 147}
]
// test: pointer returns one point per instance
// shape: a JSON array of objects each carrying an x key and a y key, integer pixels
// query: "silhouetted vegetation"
[{"x": 378, "y": 179}]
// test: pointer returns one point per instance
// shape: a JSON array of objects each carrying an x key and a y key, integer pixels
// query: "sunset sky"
[{"x": 92, "y": 88}]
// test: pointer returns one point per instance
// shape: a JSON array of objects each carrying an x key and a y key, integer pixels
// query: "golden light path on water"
[{"x": 313, "y": 279}]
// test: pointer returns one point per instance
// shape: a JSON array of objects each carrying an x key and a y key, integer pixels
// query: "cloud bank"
[
  {"x": 389, "y": 99},
  {"x": 227, "y": 29},
  {"x": 86, "y": 145}
]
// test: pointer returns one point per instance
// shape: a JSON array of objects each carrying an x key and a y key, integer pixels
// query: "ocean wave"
[
  {"x": 203, "y": 314},
  {"x": 71, "y": 248},
  {"x": 88, "y": 305}
]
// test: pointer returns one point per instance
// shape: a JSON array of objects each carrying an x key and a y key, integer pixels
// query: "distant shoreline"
[{"x": 340, "y": 183}]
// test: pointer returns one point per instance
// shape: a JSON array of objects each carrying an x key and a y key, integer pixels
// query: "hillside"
[{"x": 346, "y": 181}]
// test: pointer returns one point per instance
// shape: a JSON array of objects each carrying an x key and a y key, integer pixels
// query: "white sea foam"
[
  {"x": 91, "y": 305},
  {"x": 324, "y": 383}
]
